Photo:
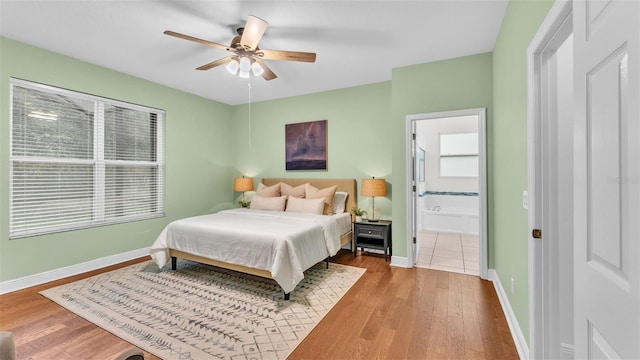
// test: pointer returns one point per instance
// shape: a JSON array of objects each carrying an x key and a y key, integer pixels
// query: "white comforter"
[{"x": 284, "y": 243}]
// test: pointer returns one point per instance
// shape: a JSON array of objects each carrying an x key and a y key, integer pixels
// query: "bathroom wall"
[{"x": 428, "y": 138}]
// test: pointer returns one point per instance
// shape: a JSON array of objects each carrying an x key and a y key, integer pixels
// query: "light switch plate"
[{"x": 525, "y": 199}]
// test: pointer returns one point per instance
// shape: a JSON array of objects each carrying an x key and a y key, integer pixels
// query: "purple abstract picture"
[{"x": 306, "y": 145}]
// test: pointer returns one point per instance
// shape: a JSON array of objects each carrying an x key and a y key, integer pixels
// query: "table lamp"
[
  {"x": 374, "y": 187},
  {"x": 243, "y": 184}
]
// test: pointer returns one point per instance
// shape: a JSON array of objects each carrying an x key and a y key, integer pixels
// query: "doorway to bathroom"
[{"x": 448, "y": 207}]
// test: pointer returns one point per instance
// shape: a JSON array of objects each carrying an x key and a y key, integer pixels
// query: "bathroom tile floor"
[{"x": 448, "y": 251}]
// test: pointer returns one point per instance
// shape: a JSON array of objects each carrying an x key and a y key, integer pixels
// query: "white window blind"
[{"x": 79, "y": 160}]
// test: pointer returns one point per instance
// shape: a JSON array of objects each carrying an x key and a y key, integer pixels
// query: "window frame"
[
  {"x": 98, "y": 162},
  {"x": 459, "y": 155}
]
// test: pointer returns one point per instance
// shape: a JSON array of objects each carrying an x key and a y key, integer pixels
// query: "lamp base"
[{"x": 376, "y": 220}]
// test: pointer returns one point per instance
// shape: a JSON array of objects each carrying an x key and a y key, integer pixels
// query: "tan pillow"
[
  {"x": 268, "y": 203},
  {"x": 288, "y": 190},
  {"x": 326, "y": 193},
  {"x": 268, "y": 191},
  {"x": 312, "y": 206}
]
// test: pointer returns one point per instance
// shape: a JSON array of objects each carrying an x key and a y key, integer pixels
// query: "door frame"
[
  {"x": 482, "y": 179},
  {"x": 543, "y": 262}
]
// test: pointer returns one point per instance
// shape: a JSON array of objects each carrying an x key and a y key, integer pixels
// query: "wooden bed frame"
[{"x": 346, "y": 185}]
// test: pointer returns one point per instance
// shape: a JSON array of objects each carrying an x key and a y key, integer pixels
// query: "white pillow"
[
  {"x": 268, "y": 203},
  {"x": 312, "y": 206},
  {"x": 339, "y": 202}
]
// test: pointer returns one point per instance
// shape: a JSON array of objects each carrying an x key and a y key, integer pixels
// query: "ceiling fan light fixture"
[
  {"x": 256, "y": 69},
  {"x": 233, "y": 66},
  {"x": 246, "y": 53},
  {"x": 245, "y": 64}
]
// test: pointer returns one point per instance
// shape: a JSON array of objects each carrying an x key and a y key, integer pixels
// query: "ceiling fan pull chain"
[{"x": 249, "y": 86}]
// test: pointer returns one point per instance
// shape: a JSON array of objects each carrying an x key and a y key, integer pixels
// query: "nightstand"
[{"x": 372, "y": 235}]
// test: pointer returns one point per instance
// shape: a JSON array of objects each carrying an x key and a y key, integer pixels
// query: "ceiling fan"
[{"x": 247, "y": 56}]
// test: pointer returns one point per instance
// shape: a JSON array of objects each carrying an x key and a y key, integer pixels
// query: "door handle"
[{"x": 536, "y": 233}]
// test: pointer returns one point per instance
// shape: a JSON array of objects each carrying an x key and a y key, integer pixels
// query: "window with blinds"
[{"x": 78, "y": 160}]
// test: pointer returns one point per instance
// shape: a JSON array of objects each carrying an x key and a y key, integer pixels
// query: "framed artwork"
[
  {"x": 421, "y": 169},
  {"x": 306, "y": 145}
]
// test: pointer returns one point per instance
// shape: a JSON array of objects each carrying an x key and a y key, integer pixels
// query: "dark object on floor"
[
  {"x": 8, "y": 349},
  {"x": 131, "y": 354},
  {"x": 7, "y": 346}
]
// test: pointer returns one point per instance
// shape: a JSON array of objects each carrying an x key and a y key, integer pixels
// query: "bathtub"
[{"x": 457, "y": 220}]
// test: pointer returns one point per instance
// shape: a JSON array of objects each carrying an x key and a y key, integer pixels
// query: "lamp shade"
[
  {"x": 243, "y": 184},
  {"x": 374, "y": 187},
  {"x": 245, "y": 64},
  {"x": 233, "y": 66},
  {"x": 256, "y": 69}
]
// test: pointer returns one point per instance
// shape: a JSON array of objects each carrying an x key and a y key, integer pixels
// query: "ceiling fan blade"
[
  {"x": 213, "y": 64},
  {"x": 267, "y": 74},
  {"x": 253, "y": 31},
  {"x": 288, "y": 55},
  {"x": 200, "y": 41}
]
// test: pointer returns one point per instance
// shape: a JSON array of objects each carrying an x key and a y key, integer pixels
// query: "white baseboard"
[
  {"x": 44, "y": 277},
  {"x": 400, "y": 261},
  {"x": 518, "y": 337}
]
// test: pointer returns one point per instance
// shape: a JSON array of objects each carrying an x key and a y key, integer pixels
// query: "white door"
[{"x": 607, "y": 179}]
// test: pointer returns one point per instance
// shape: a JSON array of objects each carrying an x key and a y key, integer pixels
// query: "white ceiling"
[{"x": 357, "y": 42}]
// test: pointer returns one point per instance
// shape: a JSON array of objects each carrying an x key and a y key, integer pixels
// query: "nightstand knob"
[{"x": 369, "y": 231}]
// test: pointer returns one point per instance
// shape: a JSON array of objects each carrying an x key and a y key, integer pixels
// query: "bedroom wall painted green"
[
  {"x": 198, "y": 165},
  {"x": 454, "y": 84},
  {"x": 360, "y": 125},
  {"x": 509, "y": 175},
  {"x": 358, "y": 145}
]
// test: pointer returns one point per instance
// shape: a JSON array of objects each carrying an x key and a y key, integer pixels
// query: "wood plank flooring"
[{"x": 390, "y": 313}]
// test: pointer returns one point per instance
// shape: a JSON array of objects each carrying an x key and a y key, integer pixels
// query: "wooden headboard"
[{"x": 346, "y": 185}]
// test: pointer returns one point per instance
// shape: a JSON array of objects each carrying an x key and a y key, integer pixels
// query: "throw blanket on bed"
[{"x": 283, "y": 243}]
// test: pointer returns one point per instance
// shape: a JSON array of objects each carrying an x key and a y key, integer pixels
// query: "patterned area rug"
[{"x": 204, "y": 312}]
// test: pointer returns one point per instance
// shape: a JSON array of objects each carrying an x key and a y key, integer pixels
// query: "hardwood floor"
[{"x": 390, "y": 313}]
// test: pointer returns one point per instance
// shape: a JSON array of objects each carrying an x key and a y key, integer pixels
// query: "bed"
[{"x": 273, "y": 244}]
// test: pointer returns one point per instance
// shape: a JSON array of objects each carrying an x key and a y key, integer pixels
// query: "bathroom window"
[{"x": 459, "y": 155}]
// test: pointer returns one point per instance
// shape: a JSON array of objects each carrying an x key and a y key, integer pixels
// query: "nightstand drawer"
[{"x": 370, "y": 231}]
